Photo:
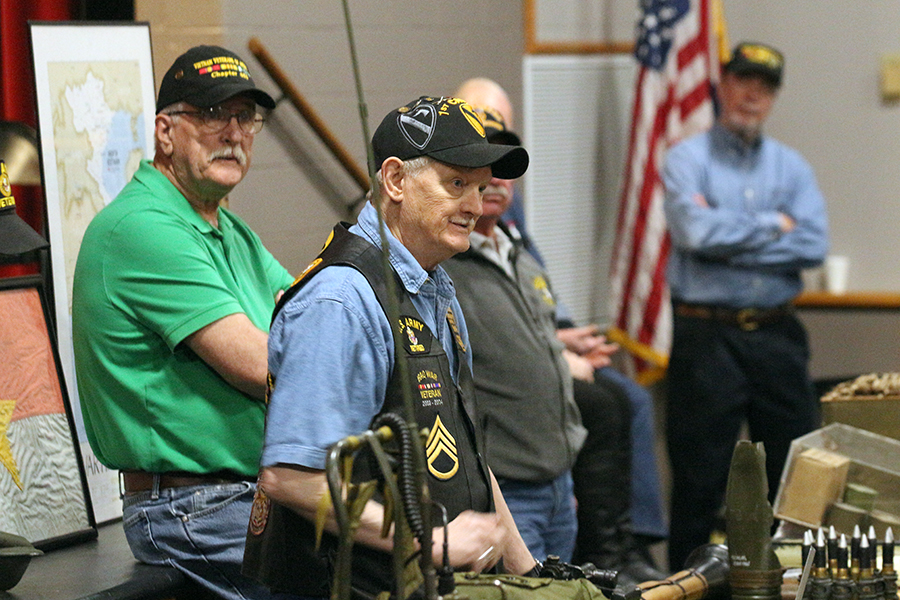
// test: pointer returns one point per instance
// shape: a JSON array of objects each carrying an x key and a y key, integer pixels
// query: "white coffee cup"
[{"x": 836, "y": 272}]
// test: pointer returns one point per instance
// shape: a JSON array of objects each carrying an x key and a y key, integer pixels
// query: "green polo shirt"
[{"x": 150, "y": 272}]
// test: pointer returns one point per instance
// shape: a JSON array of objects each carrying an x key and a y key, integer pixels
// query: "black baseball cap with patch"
[
  {"x": 495, "y": 127},
  {"x": 206, "y": 75},
  {"x": 16, "y": 236},
  {"x": 757, "y": 59},
  {"x": 448, "y": 130}
]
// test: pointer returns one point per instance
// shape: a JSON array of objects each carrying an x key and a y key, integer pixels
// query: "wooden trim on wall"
[
  {"x": 579, "y": 47},
  {"x": 534, "y": 46}
]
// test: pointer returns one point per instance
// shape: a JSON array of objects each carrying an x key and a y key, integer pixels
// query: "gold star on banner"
[{"x": 6, "y": 457}]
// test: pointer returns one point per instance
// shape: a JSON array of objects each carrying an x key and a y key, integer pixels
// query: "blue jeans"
[
  {"x": 199, "y": 530},
  {"x": 544, "y": 514},
  {"x": 646, "y": 497}
]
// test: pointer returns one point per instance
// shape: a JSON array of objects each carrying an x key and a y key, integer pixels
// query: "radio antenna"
[{"x": 393, "y": 310}]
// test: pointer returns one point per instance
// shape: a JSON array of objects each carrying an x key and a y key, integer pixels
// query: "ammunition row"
[{"x": 849, "y": 571}]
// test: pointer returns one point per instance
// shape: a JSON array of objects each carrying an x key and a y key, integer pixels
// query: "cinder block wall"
[{"x": 295, "y": 190}]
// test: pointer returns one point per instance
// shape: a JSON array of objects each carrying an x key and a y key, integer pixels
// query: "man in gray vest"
[{"x": 530, "y": 389}]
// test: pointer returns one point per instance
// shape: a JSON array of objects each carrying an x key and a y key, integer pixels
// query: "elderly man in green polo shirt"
[{"x": 171, "y": 306}]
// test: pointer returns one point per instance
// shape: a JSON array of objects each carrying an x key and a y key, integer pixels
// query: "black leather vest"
[{"x": 280, "y": 544}]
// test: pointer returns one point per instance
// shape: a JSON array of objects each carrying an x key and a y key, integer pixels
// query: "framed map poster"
[
  {"x": 43, "y": 490},
  {"x": 96, "y": 107}
]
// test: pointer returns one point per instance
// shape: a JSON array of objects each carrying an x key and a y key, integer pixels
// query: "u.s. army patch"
[{"x": 416, "y": 337}]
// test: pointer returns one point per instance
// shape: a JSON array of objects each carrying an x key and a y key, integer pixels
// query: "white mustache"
[
  {"x": 496, "y": 190},
  {"x": 230, "y": 152}
]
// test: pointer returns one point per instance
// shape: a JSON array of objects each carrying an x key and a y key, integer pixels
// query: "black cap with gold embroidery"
[
  {"x": 447, "y": 130},
  {"x": 495, "y": 127},
  {"x": 16, "y": 236},
  {"x": 758, "y": 59},
  {"x": 206, "y": 75}
]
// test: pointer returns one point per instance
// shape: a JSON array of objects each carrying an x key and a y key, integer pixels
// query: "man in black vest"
[{"x": 332, "y": 360}]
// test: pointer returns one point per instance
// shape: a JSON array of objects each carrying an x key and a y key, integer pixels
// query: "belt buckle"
[{"x": 748, "y": 319}]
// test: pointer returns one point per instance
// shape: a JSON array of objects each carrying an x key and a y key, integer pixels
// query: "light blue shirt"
[
  {"x": 332, "y": 352},
  {"x": 733, "y": 253}
]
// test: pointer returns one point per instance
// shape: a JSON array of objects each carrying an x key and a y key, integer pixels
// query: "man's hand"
[
  {"x": 787, "y": 223},
  {"x": 580, "y": 340},
  {"x": 475, "y": 541},
  {"x": 589, "y": 344},
  {"x": 579, "y": 367}
]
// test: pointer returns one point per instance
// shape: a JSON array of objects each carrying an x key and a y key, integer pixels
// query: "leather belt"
[
  {"x": 142, "y": 481},
  {"x": 747, "y": 319}
]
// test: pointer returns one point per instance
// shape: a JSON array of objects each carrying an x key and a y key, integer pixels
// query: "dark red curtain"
[{"x": 17, "y": 93}]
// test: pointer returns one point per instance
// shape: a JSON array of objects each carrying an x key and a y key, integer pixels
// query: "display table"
[{"x": 99, "y": 569}]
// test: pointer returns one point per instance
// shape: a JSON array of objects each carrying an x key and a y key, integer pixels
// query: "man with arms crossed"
[{"x": 745, "y": 215}]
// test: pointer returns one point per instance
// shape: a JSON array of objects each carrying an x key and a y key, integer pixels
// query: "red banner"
[{"x": 17, "y": 95}]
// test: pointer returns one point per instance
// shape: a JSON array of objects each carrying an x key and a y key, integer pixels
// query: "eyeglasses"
[{"x": 217, "y": 118}]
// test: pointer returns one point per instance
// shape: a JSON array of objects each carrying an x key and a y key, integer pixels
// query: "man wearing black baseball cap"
[
  {"x": 333, "y": 361},
  {"x": 745, "y": 216},
  {"x": 206, "y": 75},
  {"x": 750, "y": 82},
  {"x": 757, "y": 59},
  {"x": 171, "y": 306}
]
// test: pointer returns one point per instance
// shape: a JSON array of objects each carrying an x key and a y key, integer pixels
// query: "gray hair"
[
  {"x": 411, "y": 167},
  {"x": 175, "y": 107}
]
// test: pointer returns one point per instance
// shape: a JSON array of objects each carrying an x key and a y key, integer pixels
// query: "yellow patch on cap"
[
  {"x": 762, "y": 55},
  {"x": 473, "y": 118},
  {"x": 222, "y": 66},
  {"x": 6, "y": 197}
]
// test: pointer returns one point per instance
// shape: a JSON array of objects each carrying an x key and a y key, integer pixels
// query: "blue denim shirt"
[
  {"x": 732, "y": 253},
  {"x": 332, "y": 352}
]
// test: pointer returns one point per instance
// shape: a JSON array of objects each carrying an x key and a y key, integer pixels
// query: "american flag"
[{"x": 678, "y": 52}]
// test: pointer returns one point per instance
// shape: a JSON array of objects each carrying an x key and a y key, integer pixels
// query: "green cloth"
[
  {"x": 485, "y": 586},
  {"x": 151, "y": 272}
]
